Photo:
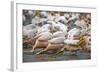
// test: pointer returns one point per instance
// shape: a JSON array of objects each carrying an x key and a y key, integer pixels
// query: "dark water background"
[{"x": 30, "y": 57}]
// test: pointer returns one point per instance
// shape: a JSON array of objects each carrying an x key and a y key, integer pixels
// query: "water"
[{"x": 30, "y": 57}]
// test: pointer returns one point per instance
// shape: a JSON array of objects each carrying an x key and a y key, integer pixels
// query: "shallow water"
[{"x": 30, "y": 57}]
